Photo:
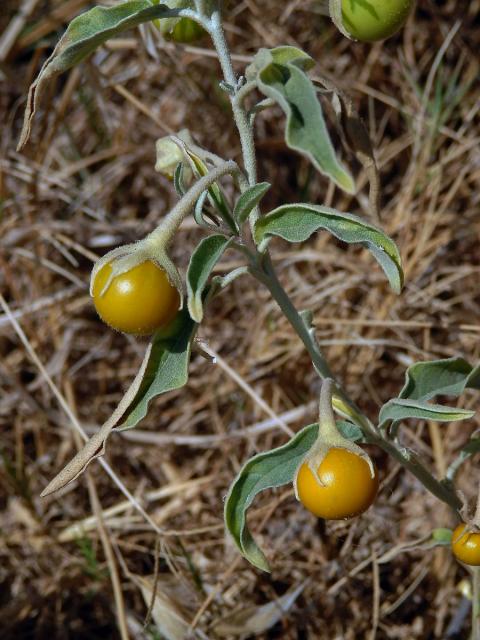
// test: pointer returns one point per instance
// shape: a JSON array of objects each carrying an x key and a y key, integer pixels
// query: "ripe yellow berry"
[
  {"x": 347, "y": 488},
  {"x": 140, "y": 301}
]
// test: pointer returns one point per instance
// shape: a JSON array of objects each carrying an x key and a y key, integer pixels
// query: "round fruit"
[
  {"x": 185, "y": 31},
  {"x": 139, "y": 301},
  {"x": 372, "y": 20},
  {"x": 466, "y": 546},
  {"x": 347, "y": 488}
]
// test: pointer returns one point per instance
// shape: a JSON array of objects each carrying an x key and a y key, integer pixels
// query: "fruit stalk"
[{"x": 165, "y": 231}]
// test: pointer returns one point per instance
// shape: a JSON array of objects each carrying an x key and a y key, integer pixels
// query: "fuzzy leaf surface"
[
  {"x": 248, "y": 200},
  {"x": 402, "y": 409},
  {"x": 167, "y": 368},
  {"x": 280, "y": 76},
  {"x": 297, "y": 222},
  {"x": 84, "y": 34},
  {"x": 204, "y": 258},
  {"x": 450, "y": 377},
  {"x": 264, "y": 471}
]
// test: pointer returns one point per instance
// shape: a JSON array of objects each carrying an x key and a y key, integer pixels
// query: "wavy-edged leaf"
[
  {"x": 204, "y": 258},
  {"x": 164, "y": 368},
  {"x": 95, "y": 447},
  {"x": 167, "y": 367},
  {"x": 297, "y": 222},
  {"x": 450, "y": 377},
  {"x": 404, "y": 408},
  {"x": 305, "y": 131},
  {"x": 264, "y": 471},
  {"x": 84, "y": 34},
  {"x": 248, "y": 200}
]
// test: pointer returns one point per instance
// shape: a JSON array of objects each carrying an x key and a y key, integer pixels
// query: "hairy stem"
[
  {"x": 168, "y": 226},
  {"x": 261, "y": 267},
  {"x": 240, "y": 115},
  {"x": 407, "y": 459},
  {"x": 241, "y": 120},
  {"x": 269, "y": 278}
]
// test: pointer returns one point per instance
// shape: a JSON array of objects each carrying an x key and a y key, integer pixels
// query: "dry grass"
[{"x": 85, "y": 184}]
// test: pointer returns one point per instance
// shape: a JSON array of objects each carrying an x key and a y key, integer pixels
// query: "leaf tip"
[
  {"x": 51, "y": 487},
  {"x": 345, "y": 181}
]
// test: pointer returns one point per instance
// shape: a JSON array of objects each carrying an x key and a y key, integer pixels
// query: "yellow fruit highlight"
[
  {"x": 347, "y": 488},
  {"x": 140, "y": 301},
  {"x": 466, "y": 546}
]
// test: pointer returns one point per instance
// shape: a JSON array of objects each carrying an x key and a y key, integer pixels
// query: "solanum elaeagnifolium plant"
[{"x": 138, "y": 289}]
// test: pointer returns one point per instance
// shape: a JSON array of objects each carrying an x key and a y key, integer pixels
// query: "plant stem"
[
  {"x": 168, "y": 226},
  {"x": 262, "y": 268},
  {"x": 269, "y": 278},
  {"x": 240, "y": 115},
  {"x": 406, "y": 458},
  {"x": 409, "y": 460}
]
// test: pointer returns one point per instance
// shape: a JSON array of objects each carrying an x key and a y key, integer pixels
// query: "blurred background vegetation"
[{"x": 86, "y": 183}]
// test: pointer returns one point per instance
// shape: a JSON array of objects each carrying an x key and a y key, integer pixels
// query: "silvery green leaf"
[
  {"x": 297, "y": 222},
  {"x": 204, "y": 258},
  {"x": 350, "y": 431},
  {"x": 164, "y": 368},
  {"x": 84, "y": 34},
  {"x": 402, "y": 409},
  {"x": 305, "y": 131},
  {"x": 450, "y": 377},
  {"x": 249, "y": 200},
  {"x": 167, "y": 367},
  {"x": 264, "y": 471}
]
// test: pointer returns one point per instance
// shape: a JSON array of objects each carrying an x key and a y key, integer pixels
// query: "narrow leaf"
[
  {"x": 95, "y": 447},
  {"x": 450, "y": 377},
  {"x": 401, "y": 409},
  {"x": 297, "y": 222},
  {"x": 248, "y": 200},
  {"x": 204, "y": 258},
  {"x": 84, "y": 34},
  {"x": 266, "y": 470},
  {"x": 305, "y": 129},
  {"x": 167, "y": 367}
]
